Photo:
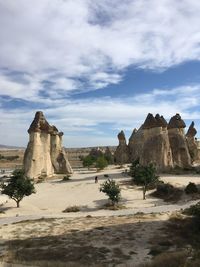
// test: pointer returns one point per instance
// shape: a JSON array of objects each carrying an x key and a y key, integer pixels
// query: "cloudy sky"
[{"x": 95, "y": 67}]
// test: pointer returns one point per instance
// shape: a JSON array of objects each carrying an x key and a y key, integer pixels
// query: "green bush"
[
  {"x": 101, "y": 163},
  {"x": 191, "y": 188},
  {"x": 18, "y": 187},
  {"x": 143, "y": 175},
  {"x": 88, "y": 161},
  {"x": 112, "y": 190}
]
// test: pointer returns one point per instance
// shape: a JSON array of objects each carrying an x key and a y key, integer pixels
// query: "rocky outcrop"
[
  {"x": 164, "y": 144},
  {"x": 121, "y": 155},
  {"x": 192, "y": 143},
  {"x": 151, "y": 143},
  {"x": 44, "y": 154},
  {"x": 178, "y": 143}
]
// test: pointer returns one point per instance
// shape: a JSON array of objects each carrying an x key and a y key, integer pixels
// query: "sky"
[{"x": 95, "y": 67}]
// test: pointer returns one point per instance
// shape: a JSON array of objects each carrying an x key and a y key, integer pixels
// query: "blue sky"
[{"x": 96, "y": 67}]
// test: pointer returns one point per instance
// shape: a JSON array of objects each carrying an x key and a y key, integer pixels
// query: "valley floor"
[{"x": 40, "y": 231}]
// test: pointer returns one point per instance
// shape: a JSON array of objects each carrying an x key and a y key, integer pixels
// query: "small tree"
[
  {"x": 18, "y": 187},
  {"x": 101, "y": 163},
  {"x": 112, "y": 190},
  {"x": 88, "y": 161},
  {"x": 144, "y": 175}
]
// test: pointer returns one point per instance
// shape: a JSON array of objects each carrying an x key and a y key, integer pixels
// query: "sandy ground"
[
  {"x": 53, "y": 196},
  {"x": 123, "y": 236}
]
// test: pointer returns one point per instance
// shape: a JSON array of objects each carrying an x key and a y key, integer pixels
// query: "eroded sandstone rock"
[
  {"x": 121, "y": 155},
  {"x": 192, "y": 143},
  {"x": 151, "y": 143},
  {"x": 178, "y": 143},
  {"x": 44, "y": 154}
]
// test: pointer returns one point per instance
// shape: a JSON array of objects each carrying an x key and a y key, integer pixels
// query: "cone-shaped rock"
[
  {"x": 178, "y": 143},
  {"x": 176, "y": 122},
  {"x": 192, "y": 143},
  {"x": 44, "y": 154},
  {"x": 121, "y": 155}
]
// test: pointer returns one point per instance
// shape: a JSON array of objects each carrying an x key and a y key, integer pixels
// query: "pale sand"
[{"x": 53, "y": 196}]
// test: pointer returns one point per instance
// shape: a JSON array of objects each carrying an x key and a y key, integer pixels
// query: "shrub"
[
  {"x": 72, "y": 209},
  {"x": 101, "y": 163},
  {"x": 193, "y": 210},
  {"x": 112, "y": 190},
  {"x": 88, "y": 161},
  {"x": 18, "y": 187},
  {"x": 167, "y": 192},
  {"x": 191, "y": 188},
  {"x": 143, "y": 175},
  {"x": 66, "y": 178}
]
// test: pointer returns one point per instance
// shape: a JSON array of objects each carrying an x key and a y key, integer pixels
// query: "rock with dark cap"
[
  {"x": 44, "y": 154},
  {"x": 191, "y": 131},
  {"x": 150, "y": 122},
  {"x": 151, "y": 144},
  {"x": 176, "y": 122},
  {"x": 193, "y": 144},
  {"x": 178, "y": 142},
  {"x": 121, "y": 155},
  {"x": 161, "y": 122}
]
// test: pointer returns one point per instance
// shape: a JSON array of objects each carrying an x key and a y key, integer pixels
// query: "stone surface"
[
  {"x": 44, "y": 154},
  {"x": 151, "y": 143},
  {"x": 193, "y": 144},
  {"x": 176, "y": 122},
  {"x": 178, "y": 142},
  {"x": 121, "y": 155}
]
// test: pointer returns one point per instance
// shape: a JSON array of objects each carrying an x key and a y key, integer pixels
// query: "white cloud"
[
  {"x": 61, "y": 41},
  {"x": 86, "y": 121}
]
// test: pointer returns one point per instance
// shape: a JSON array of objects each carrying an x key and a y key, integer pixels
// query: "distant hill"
[{"x": 10, "y": 147}]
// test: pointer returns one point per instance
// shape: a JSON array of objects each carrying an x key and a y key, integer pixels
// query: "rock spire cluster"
[
  {"x": 164, "y": 144},
  {"x": 44, "y": 155}
]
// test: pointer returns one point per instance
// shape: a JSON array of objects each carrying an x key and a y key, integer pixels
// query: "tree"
[
  {"x": 18, "y": 187},
  {"x": 101, "y": 163},
  {"x": 144, "y": 175},
  {"x": 112, "y": 190},
  {"x": 88, "y": 161}
]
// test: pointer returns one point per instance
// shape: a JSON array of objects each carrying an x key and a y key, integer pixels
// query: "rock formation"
[
  {"x": 121, "y": 155},
  {"x": 178, "y": 143},
  {"x": 44, "y": 154},
  {"x": 192, "y": 143},
  {"x": 151, "y": 143},
  {"x": 163, "y": 144}
]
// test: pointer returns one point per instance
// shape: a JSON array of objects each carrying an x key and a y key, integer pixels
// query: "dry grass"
[
  {"x": 87, "y": 241},
  {"x": 72, "y": 209},
  {"x": 109, "y": 206}
]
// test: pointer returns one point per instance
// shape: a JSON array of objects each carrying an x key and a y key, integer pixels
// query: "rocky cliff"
[
  {"x": 164, "y": 144},
  {"x": 44, "y": 154}
]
